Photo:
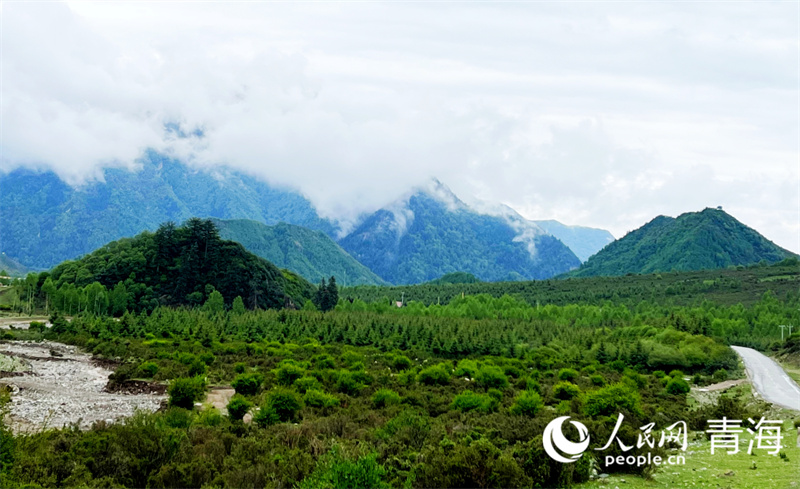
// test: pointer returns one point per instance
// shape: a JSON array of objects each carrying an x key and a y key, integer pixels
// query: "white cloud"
[{"x": 601, "y": 114}]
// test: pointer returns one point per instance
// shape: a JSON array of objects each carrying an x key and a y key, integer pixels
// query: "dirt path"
[
  {"x": 721, "y": 386},
  {"x": 64, "y": 388},
  {"x": 219, "y": 397}
]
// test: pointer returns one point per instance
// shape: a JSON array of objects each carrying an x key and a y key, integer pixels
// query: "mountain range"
[
  {"x": 708, "y": 239},
  {"x": 430, "y": 232},
  {"x": 44, "y": 220},
  {"x": 427, "y": 233}
]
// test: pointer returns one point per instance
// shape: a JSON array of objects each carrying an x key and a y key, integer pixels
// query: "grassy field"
[{"x": 721, "y": 470}]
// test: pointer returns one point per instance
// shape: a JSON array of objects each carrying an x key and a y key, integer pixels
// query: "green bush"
[
  {"x": 720, "y": 375},
  {"x": 527, "y": 403},
  {"x": 677, "y": 386},
  {"x": 247, "y": 384},
  {"x": 435, "y": 375},
  {"x": 304, "y": 384},
  {"x": 281, "y": 406},
  {"x": 334, "y": 470},
  {"x": 469, "y": 401},
  {"x": 197, "y": 368},
  {"x": 566, "y": 391},
  {"x": 148, "y": 369},
  {"x": 348, "y": 383},
  {"x": 323, "y": 362},
  {"x": 385, "y": 397},
  {"x": 239, "y": 367},
  {"x": 597, "y": 380},
  {"x": 676, "y": 373},
  {"x": 287, "y": 373},
  {"x": 238, "y": 407},
  {"x": 319, "y": 399},
  {"x": 208, "y": 358},
  {"x": 400, "y": 362},
  {"x": 184, "y": 392},
  {"x": 609, "y": 400},
  {"x": 659, "y": 374},
  {"x": 490, "y": 376},
  {"x": 568, "y": 374},
  {"x": 177, "y": 417},
  {"x": 466, "y": 368}
]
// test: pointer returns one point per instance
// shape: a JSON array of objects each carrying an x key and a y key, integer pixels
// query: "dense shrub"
[
  {"x": 287, "y": 373},
  {"x": 677, "y": 386},
  {"x": 184, "y": 392},
  {"x": 469, "y": 401},
  {"x": 466, "y": 368},
  {"x": 281, "y": 406},
  {"x": 527, "y": 403},
  {"x": 334, "y": 470},
  {"x": 609, "y": 400},
  {"x": 349, "y": 383},
  {"x": 435, "y": 375},
  {"x": 566, "y": 391},
  {"x": 720, "y": 375},
  {"x": 148, "y": 369},
  {"x": 490, "y": 376},
  {"x": 306, "y": 383},
  {"x": 400, "y": 362},
  {"x": 247, "y": 384},
  {"x": 597, "y": 380},
  {"x": 385, "y": 397},
  {"x": 238, "y": 406},
  {"x": 568, "y": 374},
  {"x": 319, "y": 399}
]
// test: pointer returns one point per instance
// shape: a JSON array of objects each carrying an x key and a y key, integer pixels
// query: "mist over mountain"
[
  {"x": 430, "y": 232},
  {"x": 44, "y": 221},
  {"x": 708, "y": 239},
  {"x": 311, "y": 254}
]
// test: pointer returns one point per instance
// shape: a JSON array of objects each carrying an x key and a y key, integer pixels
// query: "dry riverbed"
[{"x": 56, "y": 385}]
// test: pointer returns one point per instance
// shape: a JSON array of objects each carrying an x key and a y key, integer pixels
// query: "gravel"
[{"x": 63, "y": 386}]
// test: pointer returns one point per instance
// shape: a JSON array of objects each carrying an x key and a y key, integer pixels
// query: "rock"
[
  {"x": 729, "y": 473},
  {"x": 603, "y": 476}
]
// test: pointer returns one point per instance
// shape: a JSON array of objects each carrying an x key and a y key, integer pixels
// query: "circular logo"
[{"x": 555, "y": 443}]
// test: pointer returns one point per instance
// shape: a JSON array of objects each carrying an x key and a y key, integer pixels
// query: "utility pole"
[{"x": 782, "y": 326}]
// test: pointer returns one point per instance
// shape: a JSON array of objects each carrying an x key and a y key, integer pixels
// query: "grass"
[
  {"x": 703, "y": 470},
  {"x": 723, "y": 471}
]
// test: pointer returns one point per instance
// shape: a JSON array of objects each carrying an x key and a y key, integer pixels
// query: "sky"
[{"x": 591, "y": 113}]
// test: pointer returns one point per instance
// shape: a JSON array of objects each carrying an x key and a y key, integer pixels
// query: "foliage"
[
  {"x": 435, "y": 375},
  {"x": 184, "y": 392},
  {"x": 693, "y": 241},
  {"x": 527, "y": 403},
  {"x": 612, "y": 399},
  {"x": 309, "y": 253},
  {"x": 385, "y": 397},
  {"x": 677, "y": 386},
  {"x": 468, "y": 401},
  {"x": 566, "y": 391},
  {"x": 238, "y": 406},
  {"x": 333, "y": 470},
  {"x": 489, "y": 376}
]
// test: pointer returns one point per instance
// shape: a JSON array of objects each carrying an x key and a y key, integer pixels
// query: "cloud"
[{"x": 594, "y": 114}]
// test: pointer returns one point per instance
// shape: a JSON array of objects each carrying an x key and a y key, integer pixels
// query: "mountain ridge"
[{"x": 707, "y": 239}]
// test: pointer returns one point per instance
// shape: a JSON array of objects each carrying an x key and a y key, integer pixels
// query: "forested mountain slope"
[
  {"x": 173, "y": 266},
  {"x": 693, "y": 241},
  {"x": 311, "y": 254},
  {"x": 431, "y": 232},
  {"x": 44, "y": 221}
]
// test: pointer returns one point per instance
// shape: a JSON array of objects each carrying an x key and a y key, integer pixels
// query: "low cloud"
[{"x": 603, "y": 115}]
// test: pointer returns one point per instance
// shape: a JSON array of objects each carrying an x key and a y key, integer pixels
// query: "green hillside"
[
  {"x": 693, "y": 241},
  {"x": 431, "y": 233},
  {"x": 11, "y": 266},
  {"x": 174, "y": 266},
  {"x": 312, "y": 254},
  {"x": 455, "y": 278}
]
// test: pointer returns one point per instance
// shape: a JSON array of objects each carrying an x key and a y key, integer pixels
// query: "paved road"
[{"x": 769, "y": 378}]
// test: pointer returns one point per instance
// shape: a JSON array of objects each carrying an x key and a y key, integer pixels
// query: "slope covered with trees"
[
  {"x": 431, "y": 233},
  {"x": 692, "y": 241},
  {"x": 311, "y": 254},
  {"x": 44, "y": 221},
  {"x": 176, "y": 265}
]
